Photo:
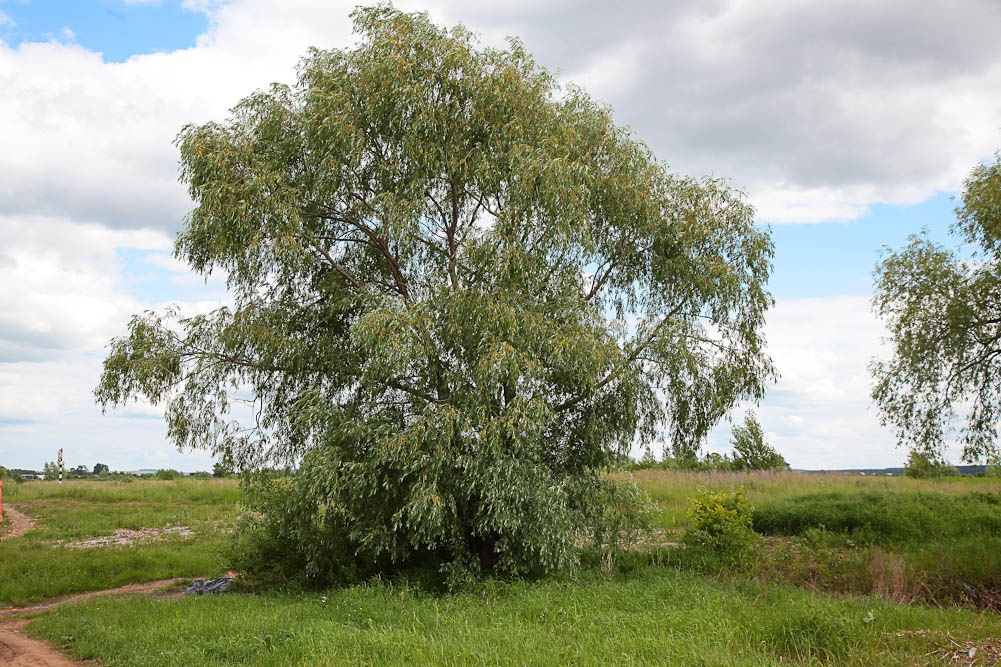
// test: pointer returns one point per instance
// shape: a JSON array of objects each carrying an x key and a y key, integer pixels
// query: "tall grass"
[{"x": 880, "y": 516}]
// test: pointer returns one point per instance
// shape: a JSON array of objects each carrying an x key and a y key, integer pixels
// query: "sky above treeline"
[{"x": 849, "y": 124}]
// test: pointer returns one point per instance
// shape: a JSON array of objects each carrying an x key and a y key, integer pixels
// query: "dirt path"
[
  {"x": 22, "y": 522},
  {"x": 122, "y": 591},
  {"x": 19, "y": 650}
]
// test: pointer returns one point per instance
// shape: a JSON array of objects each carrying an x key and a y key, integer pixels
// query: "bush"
[
  {"x": 280, "y": 538},
  {"x": 12, "y": 482},
  {"x": 166, "y": 474},
  {"x": 308, "y": 530},
  {"x": 723, "y": 524}
]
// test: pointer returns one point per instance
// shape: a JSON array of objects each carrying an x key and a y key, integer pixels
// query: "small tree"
[
  {"x": 459, "y": 291},
  {"x": 50, "y": 471},
  {"x": 943, "y": 313},
  {"x": 750, "y": 451},
  {"x": 925, "y": 466}
]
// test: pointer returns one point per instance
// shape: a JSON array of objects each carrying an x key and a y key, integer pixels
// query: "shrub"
[
  {"x": 12, "y": 482},
  {"x": 722, "y": 524},
  {"x": 304, "y": 529}
]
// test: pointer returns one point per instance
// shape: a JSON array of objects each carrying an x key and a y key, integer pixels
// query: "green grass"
[
  {"x": 884, "y": 517},
  {"x": 651, "y": 616},
  {"x": 210, "y": 492},
  {"x": 39, "y": 565}
]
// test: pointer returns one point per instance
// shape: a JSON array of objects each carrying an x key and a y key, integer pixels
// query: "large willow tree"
[{"x": 458, "y": 291}]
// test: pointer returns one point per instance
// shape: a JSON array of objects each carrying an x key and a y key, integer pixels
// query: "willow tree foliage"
[
  {"x": 458, "y": 290},
  {"x": 943, "y": 311}
]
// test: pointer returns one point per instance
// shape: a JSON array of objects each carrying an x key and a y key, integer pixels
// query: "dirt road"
[
  {"x": 22, "y": 523},
  {"x": 121, "y": 591},
  {"x": 18, "y": 650}
]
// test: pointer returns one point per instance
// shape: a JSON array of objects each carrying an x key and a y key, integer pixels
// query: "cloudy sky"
[{"x": 849, "y": 124}]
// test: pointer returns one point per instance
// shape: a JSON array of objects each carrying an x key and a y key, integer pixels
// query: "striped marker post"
[{"x": 60, "y": 465}]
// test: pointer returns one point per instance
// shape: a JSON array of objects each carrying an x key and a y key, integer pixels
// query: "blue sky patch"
[
  {"x": 114, "y": 28},
  {"x": 834, "y": 258}
]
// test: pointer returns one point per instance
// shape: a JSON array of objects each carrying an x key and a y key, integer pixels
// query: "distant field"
[
  {"x": 818, "y": 592},
  {"x": 671, "y": 489}
]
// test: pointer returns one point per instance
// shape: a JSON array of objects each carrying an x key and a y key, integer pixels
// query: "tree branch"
[{"x": 569, "y": 403}]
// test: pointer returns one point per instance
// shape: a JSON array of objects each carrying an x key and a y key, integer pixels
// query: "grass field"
[
  {"x": 937, "y": 541},
  {"x": 651, "y": 616},
  {"x": 818, "y": 592},
  {"x": 40, "y": 564}
]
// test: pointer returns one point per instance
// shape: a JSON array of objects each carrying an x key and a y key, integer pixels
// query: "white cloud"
[
  {"x": 122, "y": 442},
  {"x": 65, "y": 295},
  {"x": 62, "y": 285},
  {"x": 817, "y": 110}
]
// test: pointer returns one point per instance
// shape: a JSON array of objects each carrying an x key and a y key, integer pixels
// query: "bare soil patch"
[
  {"x": 18, "y": 650},
  {"x": 22, "y": 523},
  {"x": 124, "y": 536}
]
